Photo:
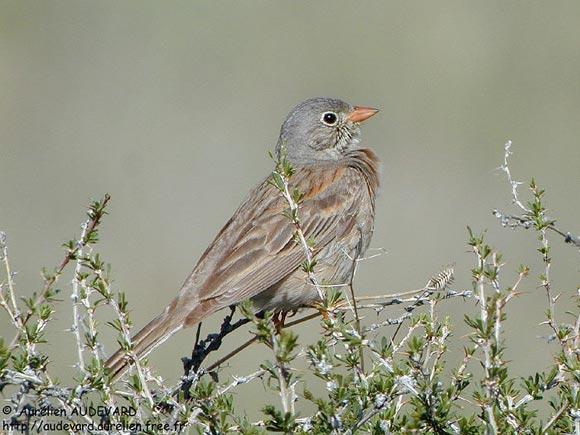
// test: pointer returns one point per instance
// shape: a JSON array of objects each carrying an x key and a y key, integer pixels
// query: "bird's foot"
[{"x": 280, "y": 319}]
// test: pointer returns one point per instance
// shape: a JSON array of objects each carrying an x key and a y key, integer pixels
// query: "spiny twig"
[
  {"x": 435, "y": 283},
  {"x": 527, "y": 220},
  {"x": 9, "y": 304},
  {"x": 514, "y": 221},
  {"x": 204, "y": 347},
  {"x": 281, "y": 180},
  {"x": 95, "y": 213}
]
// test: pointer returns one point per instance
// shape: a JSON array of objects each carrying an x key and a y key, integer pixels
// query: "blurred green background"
[{"x": 172, "y": 107}]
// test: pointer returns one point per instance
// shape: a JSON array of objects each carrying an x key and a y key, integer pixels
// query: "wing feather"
[{"x": 256, "y": 248}]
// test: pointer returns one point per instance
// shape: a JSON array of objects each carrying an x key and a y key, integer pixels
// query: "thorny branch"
[
  {"x": 95, "y": 216},
  {"x": 204, "y": 347},
  {"x": 281, "y": 181},
  {"x": 526, "y": 220}
]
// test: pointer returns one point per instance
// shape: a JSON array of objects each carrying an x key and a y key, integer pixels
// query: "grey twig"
[{"x": 526, "y": 220}]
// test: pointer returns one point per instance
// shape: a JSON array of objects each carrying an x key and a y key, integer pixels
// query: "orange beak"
[{"x": 360, "y": 114}]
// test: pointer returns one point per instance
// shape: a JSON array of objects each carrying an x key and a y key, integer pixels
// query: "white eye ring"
[{"x": 329, "y": 118}]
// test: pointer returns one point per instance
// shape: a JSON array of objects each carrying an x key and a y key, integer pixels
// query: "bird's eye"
[{"x": 329, "y": 118}]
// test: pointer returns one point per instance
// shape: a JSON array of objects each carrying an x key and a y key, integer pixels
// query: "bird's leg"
[
  {"x": 292, "y": 313},
  {"x": 280, "y": 317}
]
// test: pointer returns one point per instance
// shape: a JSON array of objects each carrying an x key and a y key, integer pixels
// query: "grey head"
[{"x": 321, "y": 130}]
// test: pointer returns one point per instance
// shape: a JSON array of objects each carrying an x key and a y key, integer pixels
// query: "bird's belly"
[{"x": 335, "y": 265}]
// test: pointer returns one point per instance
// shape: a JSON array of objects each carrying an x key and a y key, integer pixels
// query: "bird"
[{"x": 256, "y": 255}]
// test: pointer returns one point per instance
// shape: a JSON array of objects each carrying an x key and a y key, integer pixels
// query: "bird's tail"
[{"x": 171, "y": 320}]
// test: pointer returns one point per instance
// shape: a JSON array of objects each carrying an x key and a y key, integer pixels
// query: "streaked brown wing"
[{"x": 256, "y": 248}]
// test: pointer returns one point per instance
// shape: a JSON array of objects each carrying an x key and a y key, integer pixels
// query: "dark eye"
[{"x": 329, "y": 118}]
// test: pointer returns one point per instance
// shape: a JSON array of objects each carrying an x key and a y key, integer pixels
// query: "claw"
[{"x": 279, "y": 319}]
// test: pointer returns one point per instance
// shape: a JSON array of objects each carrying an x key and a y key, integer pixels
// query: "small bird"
[{"x": 256, "y": 255}]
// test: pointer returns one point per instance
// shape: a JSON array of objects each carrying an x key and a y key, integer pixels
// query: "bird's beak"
[{"x": 360, "y": 114}]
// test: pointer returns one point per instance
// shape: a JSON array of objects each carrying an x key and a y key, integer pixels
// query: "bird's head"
[{"x": 321, "y": 130}]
